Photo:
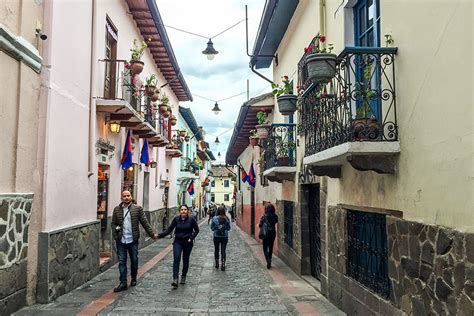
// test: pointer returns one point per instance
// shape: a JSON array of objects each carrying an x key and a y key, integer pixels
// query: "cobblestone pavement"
[{"x": 245, "y": 288}]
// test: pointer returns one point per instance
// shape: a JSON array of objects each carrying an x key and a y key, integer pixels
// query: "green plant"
[
  {"x": 261, "y": 161},
  {"x": 287, "y": 87},
  {"x": 262, "y": 117},
  {"x": 282, "y": 147},
  {"x": 137, "y": 50},
  {"x": 365, "y": 91},
  {"x": 152, "y": 81},
  {"x": 253, "y": 133},
  {"x": 164, "y": 99},
  {"x": 388, "y": 40},
  {"x": 320, "y": 47}
]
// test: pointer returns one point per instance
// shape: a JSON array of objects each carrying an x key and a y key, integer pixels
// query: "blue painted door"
[{"x": 367, "y": 34}]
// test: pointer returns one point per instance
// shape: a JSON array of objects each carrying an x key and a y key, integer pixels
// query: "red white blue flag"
[
  {"x": 127, "y": 152},
  {"x": 191, "y": 188},
  {"x": 252, "y": 178}
]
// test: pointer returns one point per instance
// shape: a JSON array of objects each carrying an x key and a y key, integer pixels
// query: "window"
[
  {"x": 213, "y": 183},
  {"x": 111, "y": 55},
  {"x": 367, "y": 260},
  {"x": 226, "y": 183},
  {"x": 288, "y": 222},
  {"x": 213, "y": 197},
  {"x": 226, "y": 197}
]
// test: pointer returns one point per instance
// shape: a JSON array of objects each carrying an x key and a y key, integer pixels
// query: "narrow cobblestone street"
[{"x": 245, "y": 288}]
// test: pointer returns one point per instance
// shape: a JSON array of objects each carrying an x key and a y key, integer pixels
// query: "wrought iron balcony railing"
[
  {"x": 280, "y": 146},
  {"x": 358, "y": 104}
]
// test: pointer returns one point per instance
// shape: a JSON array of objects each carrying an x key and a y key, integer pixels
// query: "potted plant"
[
  {"x": 365, "y": 125},
  {"x": 263, "y": 126},
  {"x": 173, "y": 120},
  {"x": 320, "y": 62},
  {"x": 150, "y": 86},
  {"x": 285, "y": 97},
  {"x": 182, "y": 132},
  {"x": 283, "y": 149},
  {"x": 136, "y": 65},
  {"x": 164, "y": 104},
  {"x": 166, "y": 114},
  {"x": 253, "y": 139}
]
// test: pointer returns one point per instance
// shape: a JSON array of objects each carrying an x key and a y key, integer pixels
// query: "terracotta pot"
[
  {"x": 137, "y": 67},
  {"x": 150, "y": 91},
  {"x": 283, "y": 162},
  {"x": 366, "y": 129},
  {"x": 187, "y": 138},
  {"x": 262, "y": 130},
  {"x": 166, "y": 114},
  {"x": 321, "y": 67},
  {"x": 173, "y": 121},
  {"x": 182, "y": 133},
  {"x": 253, "y": 141},
  {"x": 154, "y": 97},
  {"x": 163, "y": 108}
]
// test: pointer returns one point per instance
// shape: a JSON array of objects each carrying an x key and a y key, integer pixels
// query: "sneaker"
[
  {"x": 174, "y": 284},
  {"x": 121, "y": 287},
  {"x": 183, "y": 280},
  {"x": 133, "y": 282}
]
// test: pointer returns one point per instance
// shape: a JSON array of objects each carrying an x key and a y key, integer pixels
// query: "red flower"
[
  {"x": 322, "y": 38},
  {"x": 127, "y": 65},
  {"x": 285, "y": 77},
  {"x": 324, "y": 94}
]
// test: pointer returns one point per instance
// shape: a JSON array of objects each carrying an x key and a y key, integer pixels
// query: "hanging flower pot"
[
  {"x": 154, "y": 97},
  {"x": 182, "y": 133},
  {"x": 287, "y": 104},
  {"x": 166, "y": 114},
  {"x": 253, "y": 141},
  {"x": 187, "y": 138},
  {"x": 150, "y": 91},
  {"x": 163, "y": 108},
  {"x": 262, "y": 130},
  {"x": 321, "y": 67},
  {"x": 137, "y": 67},
  {"x": 173, "y": 120}
]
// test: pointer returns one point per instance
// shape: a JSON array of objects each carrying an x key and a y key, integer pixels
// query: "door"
[
  {"x": 367, "y": 34},
  {"x": 110, "y": 79},
  {"x": 314, "y": 231},
  {"x": 252, "y": 212}
]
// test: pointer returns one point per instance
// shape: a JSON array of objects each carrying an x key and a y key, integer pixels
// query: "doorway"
[{"x": 314, "y": 223}]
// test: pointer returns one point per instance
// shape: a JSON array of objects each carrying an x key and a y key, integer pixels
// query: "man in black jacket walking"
[{"x": 126, "y": 232}]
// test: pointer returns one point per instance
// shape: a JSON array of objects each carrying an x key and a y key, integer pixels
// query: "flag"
[
  {"x": 127, "y": 152},
  {"x": 251, "y": 175},
  {"x": 191, "y": 188},
  {"x": 145, "y": 157},
  {"x": 245, "y": 177}
]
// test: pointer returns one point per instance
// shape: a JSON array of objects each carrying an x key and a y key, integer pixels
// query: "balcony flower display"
[
  {"x": 253, "y": 139},
  {"x": 173, "y": 120},
  {"x": 320, "y": 62},
  {"x": 285, "y": 97},
  {"x": 150, "y": 88},
  {"x": 137, "y": 51},
  {"x": 163, "y": 104},
  {"x": 263, "y": 126}
]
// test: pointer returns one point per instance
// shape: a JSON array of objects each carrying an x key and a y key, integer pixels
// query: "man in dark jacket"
[{"x": 126, "y": 232}]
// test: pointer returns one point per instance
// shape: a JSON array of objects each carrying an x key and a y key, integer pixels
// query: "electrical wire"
[{"x": 199, "y": 35}]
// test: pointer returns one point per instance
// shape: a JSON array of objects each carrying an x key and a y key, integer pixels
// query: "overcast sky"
[{"x": 224, "y": 76}]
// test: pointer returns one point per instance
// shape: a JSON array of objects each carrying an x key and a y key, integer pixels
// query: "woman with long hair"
[
  {"x": 220, "y": 226},
  {"x": 269, "y": 219},
  {"x": 185, "y": 229}
]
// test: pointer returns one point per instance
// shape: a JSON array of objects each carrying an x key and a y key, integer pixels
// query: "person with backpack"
[
  {"x": 268, "y": 232},
  {"x": 185, "y": 229},
  {"x": 220, "y": 226}
]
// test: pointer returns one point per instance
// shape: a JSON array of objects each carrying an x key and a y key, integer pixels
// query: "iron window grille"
[
  {"x": 288, "y": 222},
  {"x": 367, "y": 255}
]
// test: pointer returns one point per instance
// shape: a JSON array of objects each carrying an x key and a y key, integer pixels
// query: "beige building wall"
[{"x": 433, "y": 183}]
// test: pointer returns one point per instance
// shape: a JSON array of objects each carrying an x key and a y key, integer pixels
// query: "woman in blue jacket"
[{"x": 220, "y": 226}]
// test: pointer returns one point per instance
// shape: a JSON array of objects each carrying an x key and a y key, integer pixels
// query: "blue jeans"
[
  {"x": 181, "y": 246},
  {"x": 132, "y": 249}
]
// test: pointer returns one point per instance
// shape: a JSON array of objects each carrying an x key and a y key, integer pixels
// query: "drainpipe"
[
  {"x": 92, "y": 103},
  {"x": 322, "y": 17}
]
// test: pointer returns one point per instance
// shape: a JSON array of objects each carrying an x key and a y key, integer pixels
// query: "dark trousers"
[
  {"x": 268, "y": 248},
  {"x": 132, "y": 249},
  {"x": 181, "y": 247},
  {"x": 221, "y": 243}
]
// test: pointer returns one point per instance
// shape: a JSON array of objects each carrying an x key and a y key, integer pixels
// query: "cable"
[
  {"x": 197, "y": 95},
  {"x": 231, "y": 96},
  {"x": 177, "y": 29},
  {"x": 199, "y": 35},
  {"x": 228, "y": 28}
]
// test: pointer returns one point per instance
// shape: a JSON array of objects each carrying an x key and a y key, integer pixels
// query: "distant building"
[{"x": 222, "y": 185}]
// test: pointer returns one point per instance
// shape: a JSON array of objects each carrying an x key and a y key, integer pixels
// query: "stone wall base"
[
  {"x": 67, "y": 258},
  {"x": 12, "y": 288}
]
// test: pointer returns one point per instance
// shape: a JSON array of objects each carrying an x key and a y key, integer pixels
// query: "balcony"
[
  {"x": 122, "y": 101},
  {"x": 279, "y": 157},
  {"x": 353, "y": 118}
]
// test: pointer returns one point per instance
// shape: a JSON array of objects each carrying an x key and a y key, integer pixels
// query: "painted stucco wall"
[{"x": 433, "y": 183}]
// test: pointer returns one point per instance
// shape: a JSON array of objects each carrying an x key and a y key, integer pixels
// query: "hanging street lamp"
[
  {"x": 216, "y": 109},
  {"x": 217, "y": 140},
  {"x": 210, "y": 52}
]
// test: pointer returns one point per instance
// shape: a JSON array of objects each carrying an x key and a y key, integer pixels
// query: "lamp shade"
[
  {"x": 216, "y": 109},
  {"x": 217, "y": 140},
  {"x": 114, "y": 127},
  {"x": 210, "y": 52}
]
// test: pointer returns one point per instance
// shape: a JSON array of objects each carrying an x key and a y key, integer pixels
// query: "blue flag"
[
  {"x": 145, "y": 157},
  {"x": 127, "y": 152},
  {"x": 252, "y": 178},
  {"x": 191, "y": 188}
]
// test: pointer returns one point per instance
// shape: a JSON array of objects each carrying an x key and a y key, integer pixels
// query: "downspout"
[
  {"x": 322, "y": 17},
  {"x": 92, "y": 101}
]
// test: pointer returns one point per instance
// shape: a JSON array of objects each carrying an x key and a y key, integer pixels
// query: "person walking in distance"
[
  {"x": 268, "y": 232},
  {"x": 126, "y": 232},
  {"x": 185, "y": 229},
  {"x": 220, "y": 226}
]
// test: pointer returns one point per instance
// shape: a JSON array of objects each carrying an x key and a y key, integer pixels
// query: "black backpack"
[
  {"x": 221, "y": 228},
  {"x": 264, "y": 229}
]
